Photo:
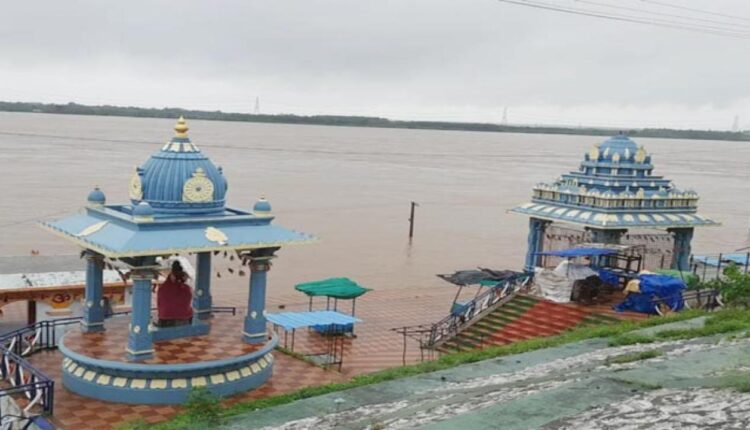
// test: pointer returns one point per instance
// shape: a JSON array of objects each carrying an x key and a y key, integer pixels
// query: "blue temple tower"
[
  {"x": 177, "y": 206},
  {"x": 613, "y": 191}
]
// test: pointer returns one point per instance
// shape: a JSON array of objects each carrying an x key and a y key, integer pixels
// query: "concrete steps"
[{"x": 526, "y": 317}]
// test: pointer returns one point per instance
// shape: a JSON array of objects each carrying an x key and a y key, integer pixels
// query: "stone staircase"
[{"x": 527, "y": 317}]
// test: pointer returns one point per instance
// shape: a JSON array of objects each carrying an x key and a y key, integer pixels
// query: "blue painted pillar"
[
  {"x": 682, "y": 249},
  {"x": 93, "y": 309},
  {"x": 537, "y": 227},
  {"x": 140, "y": 342},
  {"x": 254, "y": 330},
  {"x": 202, "y": 299}
]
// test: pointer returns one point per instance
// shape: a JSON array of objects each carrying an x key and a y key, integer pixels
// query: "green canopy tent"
[{"x": 336, "y": 288}]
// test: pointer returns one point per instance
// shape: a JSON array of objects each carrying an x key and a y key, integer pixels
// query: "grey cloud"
[{"x": 394, "y": 54}]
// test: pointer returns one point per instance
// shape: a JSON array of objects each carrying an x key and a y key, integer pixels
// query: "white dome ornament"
[
  {"x": 594, "y": 153},
  {"x": 198, "y": 189},
  {"x": 640, "y": 155},
  {"x": 136, "y": 186}
]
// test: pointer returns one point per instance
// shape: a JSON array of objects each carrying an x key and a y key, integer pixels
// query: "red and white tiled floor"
[
  {"x": 222, "y": 342},
  {"x": 375, "y": 347}
]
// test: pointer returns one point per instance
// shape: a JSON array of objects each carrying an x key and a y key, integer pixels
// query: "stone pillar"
[
  {"x": 93, "y": 309},
  {"x": 202, "y": 299},
  {"x": 254, "y": 330},
  {"x": 607, "y": 236},
  {"x": 140, "y": 342},
  {"x": 682, "y": 249},
  {"x": 611, "y": 237},
  {"x": 537, "y": 227}
]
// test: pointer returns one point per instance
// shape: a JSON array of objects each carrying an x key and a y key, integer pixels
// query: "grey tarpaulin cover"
[
  {"x": 474, "y": 277},
  {"x": 557, "y": 285}
]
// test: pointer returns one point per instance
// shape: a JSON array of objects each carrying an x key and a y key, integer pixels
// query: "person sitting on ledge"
[{"x": 174, "y": 298}]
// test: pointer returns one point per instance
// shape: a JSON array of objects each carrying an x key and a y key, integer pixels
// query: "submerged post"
[{"x": 411, "y": 219}]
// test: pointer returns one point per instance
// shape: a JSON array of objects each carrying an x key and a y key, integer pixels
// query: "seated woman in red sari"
[{"x": 174, "y": 298}]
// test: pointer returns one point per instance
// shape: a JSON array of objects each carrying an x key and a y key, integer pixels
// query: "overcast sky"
[{"x": 464, "y": 60}]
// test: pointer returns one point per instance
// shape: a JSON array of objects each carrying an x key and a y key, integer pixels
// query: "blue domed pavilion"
[
  {"x": 614, "y": 190},
  {"x": 177, "y": 206}
]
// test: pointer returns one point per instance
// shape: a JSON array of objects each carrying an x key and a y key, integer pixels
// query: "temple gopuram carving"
[{"x": 613, "y": 191}]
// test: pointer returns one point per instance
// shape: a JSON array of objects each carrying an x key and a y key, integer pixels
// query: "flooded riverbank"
[{"x": 351, "y": 187}]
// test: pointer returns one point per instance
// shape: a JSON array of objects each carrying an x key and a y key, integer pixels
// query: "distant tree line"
[{"x": 358, "y": 121}]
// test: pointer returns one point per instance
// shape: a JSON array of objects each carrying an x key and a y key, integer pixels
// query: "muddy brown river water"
[{"x": 351, "y": 187}]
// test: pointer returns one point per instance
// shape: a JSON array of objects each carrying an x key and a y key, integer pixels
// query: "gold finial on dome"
[{"x": 181, "y": 128}]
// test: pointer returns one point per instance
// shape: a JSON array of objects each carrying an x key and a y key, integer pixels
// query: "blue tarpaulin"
[
  {"x": 637, "y": 302},
  {"x": 295, "y": 320},
  {"x": 662, "y": 288},
  {"x": 609, "y": 277},
  {"x": 580, "y": 252}
]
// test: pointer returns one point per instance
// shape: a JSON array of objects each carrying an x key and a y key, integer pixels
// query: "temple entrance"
[{"x": 655, "y": 248}]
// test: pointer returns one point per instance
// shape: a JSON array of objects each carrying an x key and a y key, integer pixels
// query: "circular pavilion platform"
[
  {"x": 177, "y": 207},
  {"x": 95, "y": 364}
]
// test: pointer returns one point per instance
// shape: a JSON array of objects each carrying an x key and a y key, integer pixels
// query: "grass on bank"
[
  {"x": 724, "y": 321},
  {"x": 634, "y": 356},
  {"x": 738, "y": 382}
]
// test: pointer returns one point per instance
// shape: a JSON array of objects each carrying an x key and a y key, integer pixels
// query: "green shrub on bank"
[
  {"x": 203, "y": 407},
  {"x": 738, "y": 382},
  {"x": 735, "y": 287}
]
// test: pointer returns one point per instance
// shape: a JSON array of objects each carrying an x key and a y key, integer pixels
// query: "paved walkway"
[
  {"x": 568, "y": 387},
  {"x": 374, "y": 348}
]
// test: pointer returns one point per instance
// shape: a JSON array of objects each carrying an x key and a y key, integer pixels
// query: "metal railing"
[
  {"x": 24, "y": 378},
  {"x": 707, "y": 299},
  {"x": 711, "y": 266},
  {"x": 433, "y": 335}
]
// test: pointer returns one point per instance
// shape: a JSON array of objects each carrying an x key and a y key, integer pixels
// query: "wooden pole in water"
[
  {"x": 403, "y": 357},
  {"x": 411, "y": 219}
]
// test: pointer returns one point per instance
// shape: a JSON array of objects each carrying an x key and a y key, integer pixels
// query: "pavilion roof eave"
[
  {"x": 612, "y": 221},
  {"x": 121, "y": 239},
  {"x": 174, "y": 250}
]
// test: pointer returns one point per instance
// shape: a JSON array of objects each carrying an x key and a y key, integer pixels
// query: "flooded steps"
[
  {"x": 526, "y": 317},
  {"x": 546, "y": 318},
  {"x": 483, "y": 332}
]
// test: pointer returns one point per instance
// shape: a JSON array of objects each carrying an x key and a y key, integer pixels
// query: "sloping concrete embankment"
[{"x": 570, "y": 386}]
